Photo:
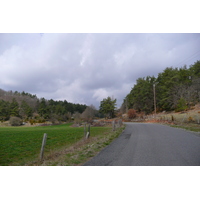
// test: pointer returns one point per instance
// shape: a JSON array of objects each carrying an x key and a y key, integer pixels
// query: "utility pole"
[
  {"x": 126, "y": 106},
  {"x": 154, "y": 92}
]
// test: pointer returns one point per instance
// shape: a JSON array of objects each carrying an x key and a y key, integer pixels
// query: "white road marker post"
[
  {"x": 88, "y": 133},
  {"x": 43, "y": 145}
]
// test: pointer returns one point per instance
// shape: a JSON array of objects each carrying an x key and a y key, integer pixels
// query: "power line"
[{"x": 188, "y": 58}]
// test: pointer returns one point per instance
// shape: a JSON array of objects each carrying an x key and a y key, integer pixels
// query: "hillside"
[
  {"x": 174, "y": 89},
  {"x": 29, "y": 107}
]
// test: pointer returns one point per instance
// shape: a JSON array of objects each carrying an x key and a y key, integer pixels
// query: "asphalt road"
[{"x": 150, "y": 145}]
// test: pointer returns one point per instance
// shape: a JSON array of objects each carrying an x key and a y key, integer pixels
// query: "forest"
[
  {"x": 28, "y": 107},
  {"x": 174, "y": 89}
]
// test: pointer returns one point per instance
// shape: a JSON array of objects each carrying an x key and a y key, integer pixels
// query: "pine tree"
[
  {"x": 14, "y": 108},
  {"x": 107, "y": 107}
]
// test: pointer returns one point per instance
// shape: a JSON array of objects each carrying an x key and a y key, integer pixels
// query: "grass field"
[{"x": 22, "y": 145}]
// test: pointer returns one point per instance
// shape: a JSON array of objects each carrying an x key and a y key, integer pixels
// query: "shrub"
[
  {"x": 77, "y": 118},
  {"x": 15, "y": 121},
  {"x": 190, "y": 119},
  {"x": 32, "y": 121},
  {"x": 40, "y": 120},
  {"x": 131, "y": 113},
  {"x": 182, "y": 105}
]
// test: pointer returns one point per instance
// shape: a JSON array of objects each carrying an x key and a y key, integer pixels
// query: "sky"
[{"x": 87, "y": 67}]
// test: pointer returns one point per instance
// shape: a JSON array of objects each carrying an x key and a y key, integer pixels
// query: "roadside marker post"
[
  {"x": 89, "y": 128},
  {"x": 87, "y": 135},
  {"x": 43, "y": 145}
]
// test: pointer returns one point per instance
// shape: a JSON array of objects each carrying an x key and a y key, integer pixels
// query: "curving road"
[{"x": 150, "y": 145}]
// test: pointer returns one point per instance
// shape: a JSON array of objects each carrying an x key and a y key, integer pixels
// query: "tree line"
[
  {"x": 17, "y": 107},
  {"x": 28, "y": 107},
  {"x": 174, "y": 89}
]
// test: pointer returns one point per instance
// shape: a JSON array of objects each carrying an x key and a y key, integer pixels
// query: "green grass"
[{"x": 21, "y": 145}]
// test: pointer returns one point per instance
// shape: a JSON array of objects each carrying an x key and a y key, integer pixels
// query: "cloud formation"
[{"x": 85, "y": 68}]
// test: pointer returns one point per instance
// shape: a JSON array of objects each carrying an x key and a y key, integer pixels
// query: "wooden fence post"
[
  {"x": 120, "y": 122},
  {"x": 43, "y": 145},
  {"x": 85, "y": 129},
  {"x": 113, "y": 125}
]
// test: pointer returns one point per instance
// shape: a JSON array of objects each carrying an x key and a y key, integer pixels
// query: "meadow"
[{"x": 22, "y": 145}]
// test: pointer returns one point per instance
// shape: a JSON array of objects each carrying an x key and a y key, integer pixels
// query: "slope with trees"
[
  {"x": 28, "y": 107},
  {"x": 175, "y": 89}
]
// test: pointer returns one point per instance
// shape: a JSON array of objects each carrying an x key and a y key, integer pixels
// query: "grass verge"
[
  {"x": 82, "y": 151},
  {"x": 189, "y": 127}
]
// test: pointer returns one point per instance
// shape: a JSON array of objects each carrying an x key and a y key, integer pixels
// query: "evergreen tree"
[
  {"x": 43, "y": 109},
  {"x": 4, "y": 110},
  {"x": 25, "y": 110},
  {"x": 14, "y": 108},
  {"x": 107, "y": 107},
  {"x": 181, "y": 106},
  {"x": 195, "y": 69},
  {"x": 166, "y": 82},
  {"x": 140, "y": 97}
]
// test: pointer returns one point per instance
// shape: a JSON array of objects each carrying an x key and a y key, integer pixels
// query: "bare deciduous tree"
[
  {"x": 77, "y": 117},
  {"x": 89, "y": 113}
]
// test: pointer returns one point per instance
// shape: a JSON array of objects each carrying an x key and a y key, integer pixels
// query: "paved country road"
[{"x": 150, "y": 145}]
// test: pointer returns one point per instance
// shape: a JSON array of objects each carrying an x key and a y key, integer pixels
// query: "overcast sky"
[{"x": 85, "y": 68}]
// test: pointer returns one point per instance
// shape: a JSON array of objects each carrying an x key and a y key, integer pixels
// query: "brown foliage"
[{"x": 131, "y": 113}]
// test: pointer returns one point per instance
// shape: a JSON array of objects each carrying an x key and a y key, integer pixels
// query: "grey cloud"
[{"x": 84, "y": 68}]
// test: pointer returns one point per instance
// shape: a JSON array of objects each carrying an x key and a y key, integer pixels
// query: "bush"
[
  {"x": 190, "y": 119},
  {"x": 182, "y": 105},
  {"x": 131, "y": 113},
  {"x": 32, "y": 121},
  {"x": 15, "y": 121}
]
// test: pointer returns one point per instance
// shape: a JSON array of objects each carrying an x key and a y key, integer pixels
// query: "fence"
[{"x": 87, "y": 127}]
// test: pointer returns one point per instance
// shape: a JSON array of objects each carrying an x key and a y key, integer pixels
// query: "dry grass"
[
  {"x": 190, "y": 116},
  {"x": 189, "y": 120}
]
